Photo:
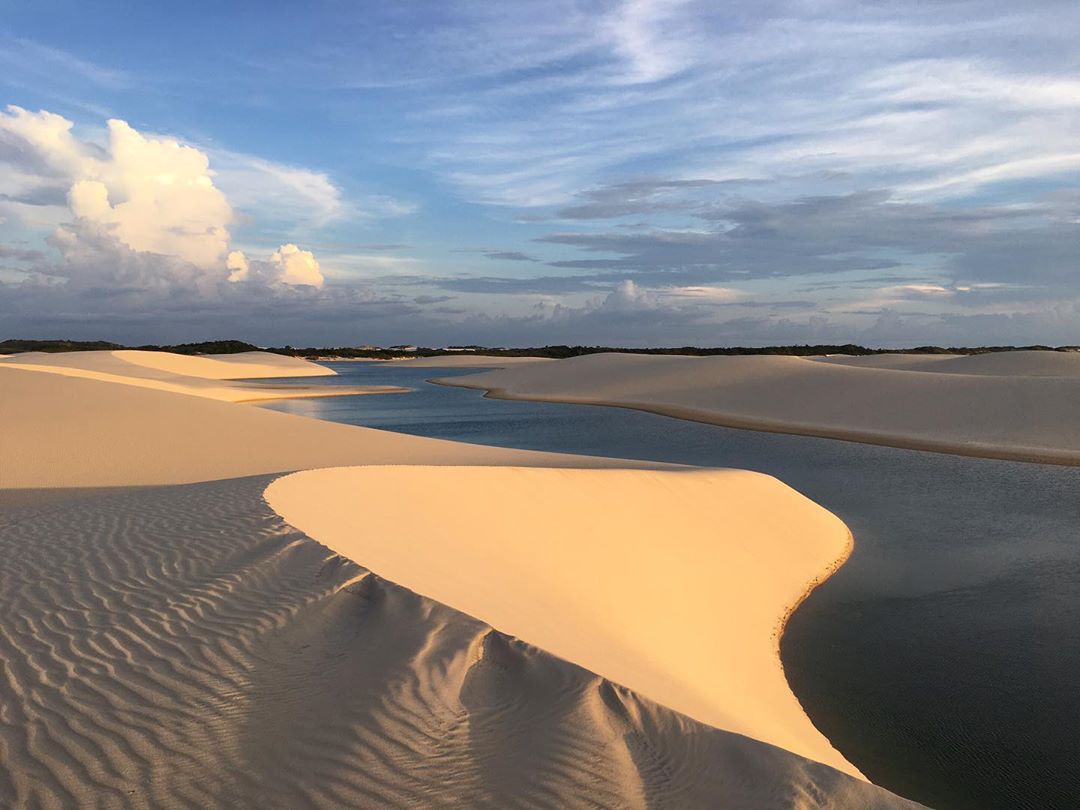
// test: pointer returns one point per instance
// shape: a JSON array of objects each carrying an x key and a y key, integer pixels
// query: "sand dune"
[
  {"x": 1003, "y": 364},
  {"x": 1024, "y": 417},
  {"x": 242, "y": 365},
  {"x": 466, "y": 361},
  {"x": 198, "y": 376},
  {"x": 183, "y": 647},
  {"x": 563, "y": 558},
  {"x": 61, "y": 431}
]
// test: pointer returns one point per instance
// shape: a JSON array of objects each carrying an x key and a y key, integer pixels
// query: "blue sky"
[{"x": 646, "y": 172}]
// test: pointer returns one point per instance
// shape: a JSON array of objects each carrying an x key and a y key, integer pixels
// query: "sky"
[{"x": 629, "y": 173}]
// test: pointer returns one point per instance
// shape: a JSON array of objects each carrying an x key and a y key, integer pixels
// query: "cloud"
[
  {"x": 509, "y": 256},
  {"x": 20, "y": 254},
  {"x": 934, "y": 105},
  {"x": 833, "y": 234},
  {"x": 276, "y": 190},
  {"x": 295, "y": 266},
  {"x": 636, "y": 197},
  {"x": 141, "y": 210}
]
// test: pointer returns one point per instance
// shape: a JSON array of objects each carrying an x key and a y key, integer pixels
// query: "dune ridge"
[
  {"x": 560, "y": 558},
  {"x": 203, "y": 376},
  {"x": 994, "y": 415},
  {"x": 62, "y": 431},
  {"x": 183, "y": 646},
  {"x": 1000, "y": 364}
]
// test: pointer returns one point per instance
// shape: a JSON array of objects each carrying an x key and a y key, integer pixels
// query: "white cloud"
[
  {"x": 295, "y": 266},
  {"x": 151, "y": 196},
  {"x": 276, "y": 190}
]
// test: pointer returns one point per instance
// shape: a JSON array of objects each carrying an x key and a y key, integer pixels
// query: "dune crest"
[
  {"x": 997, "y": 364},
  {"x": 998, "y": 412},
  {"x": 674, "y": 584},
  {"x": 218, "y": 377}
]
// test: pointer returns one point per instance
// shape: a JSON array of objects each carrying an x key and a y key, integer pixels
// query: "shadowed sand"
[
  {"x": 997, "y": 406},
  {"x": 202, "y": 376},
  {"x": 184, "y": 647}
]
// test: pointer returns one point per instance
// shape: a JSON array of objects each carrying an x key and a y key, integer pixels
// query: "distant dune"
[
  {"x": 196, "y": 375},
  {"x": 999, "y": 406},
  {"x": 62, "y": 431},
  {"x": 1003, "y": 364},
  {"x": 674, "y": 584}
]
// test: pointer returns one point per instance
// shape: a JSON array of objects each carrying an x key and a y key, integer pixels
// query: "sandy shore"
[
  {"x": 1003, "y": 405},
  {"x": 185, "y": 645}
]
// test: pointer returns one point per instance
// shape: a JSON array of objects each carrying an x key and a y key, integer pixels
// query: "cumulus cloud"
[{"x": 138, "y": 210}]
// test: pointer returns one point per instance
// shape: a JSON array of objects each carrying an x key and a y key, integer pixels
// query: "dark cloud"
[
  {"x": 42, "y": 195},
  {"x": 540, "y": 285},
  {"x": 639, "y": 197},
  {"x": 865, "y": 231},
  {"x": 509, "y": 256},
  {"x": 21, "y": 254}
]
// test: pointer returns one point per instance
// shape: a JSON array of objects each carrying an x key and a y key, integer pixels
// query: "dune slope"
[
  {"x": 675, "y": 584},
  {"x": 1000, "y": 364},
  {"x": 60, "y": 431},
  {"x": 1028, "y": 418}
]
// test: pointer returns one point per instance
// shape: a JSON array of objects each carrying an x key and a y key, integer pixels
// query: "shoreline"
[
  {"x": 1032, "y": 456},
  {"x": 343, "y": 391}
]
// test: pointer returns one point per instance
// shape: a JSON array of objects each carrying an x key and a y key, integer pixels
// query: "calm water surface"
[{"x": 943, "y": 660}]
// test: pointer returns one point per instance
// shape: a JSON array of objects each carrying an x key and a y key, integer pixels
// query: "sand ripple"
[{"x": 183, "y": 647}]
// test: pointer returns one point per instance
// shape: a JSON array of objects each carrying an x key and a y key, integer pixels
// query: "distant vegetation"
[{"x": 556, "y": 352}]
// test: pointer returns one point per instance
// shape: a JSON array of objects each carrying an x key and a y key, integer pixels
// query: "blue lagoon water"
[{"x": 942, "y": 659}]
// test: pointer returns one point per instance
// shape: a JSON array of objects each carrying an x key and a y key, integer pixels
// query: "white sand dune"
[
  {"x": 1025, "y": 417},
  {"x": 199, "y": 376},
  {"x": 674, "y": 584},
  {"x": 238, "y": 366},
  {"x": 184, "y": 647},
  {"x": 61, "y": 431},
  {"x": 1001, "y": 364}
]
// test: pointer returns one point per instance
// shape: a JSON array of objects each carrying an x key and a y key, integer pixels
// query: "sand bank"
[
  {"x": 1027, "y": 417},
  {"x": 198, "y": 376}
]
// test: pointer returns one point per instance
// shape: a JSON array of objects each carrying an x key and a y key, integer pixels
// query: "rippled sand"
[{"x": 183, "y": 647}]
